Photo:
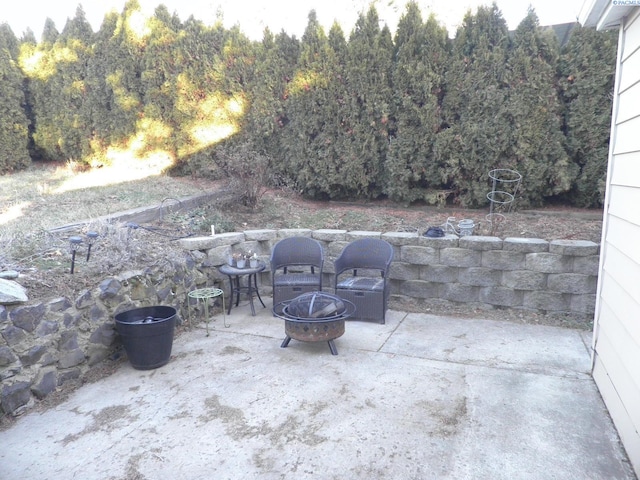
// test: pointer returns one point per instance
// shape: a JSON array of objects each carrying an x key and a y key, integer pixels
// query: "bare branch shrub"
[{"x": 247, "y": 171}]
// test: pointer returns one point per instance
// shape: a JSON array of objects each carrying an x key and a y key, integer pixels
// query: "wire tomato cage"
[{"x": 505, "y": 185}]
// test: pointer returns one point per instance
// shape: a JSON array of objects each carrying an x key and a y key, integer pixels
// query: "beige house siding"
[{"x": 616, "y": 357}]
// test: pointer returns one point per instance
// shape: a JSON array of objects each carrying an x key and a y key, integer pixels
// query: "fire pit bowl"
[{"x": 314, "y": 317}]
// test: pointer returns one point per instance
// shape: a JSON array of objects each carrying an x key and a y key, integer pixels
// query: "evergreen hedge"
[
  {"x": 414, "y": 117},
  {"x": 14, "y": 154}
]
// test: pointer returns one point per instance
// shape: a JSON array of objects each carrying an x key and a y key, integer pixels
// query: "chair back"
[
  {"x": 297, "y": 251},
  {"x": 365, "y": 253}
]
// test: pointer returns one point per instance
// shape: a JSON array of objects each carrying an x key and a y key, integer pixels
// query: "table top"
[{"x": 229, "y": 270}]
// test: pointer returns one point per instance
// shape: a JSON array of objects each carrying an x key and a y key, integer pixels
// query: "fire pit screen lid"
[{"x": 316, "y": 305}]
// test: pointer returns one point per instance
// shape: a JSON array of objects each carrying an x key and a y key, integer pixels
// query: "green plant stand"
[{"x": 205, "y": 294}]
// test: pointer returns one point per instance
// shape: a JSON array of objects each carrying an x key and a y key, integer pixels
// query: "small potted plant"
[
  {"x": 239, "y": 259},
  {"x": 253, "y": 260}
]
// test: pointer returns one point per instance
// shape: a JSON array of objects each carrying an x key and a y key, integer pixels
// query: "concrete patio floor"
[{"x": 421, "y": 397}]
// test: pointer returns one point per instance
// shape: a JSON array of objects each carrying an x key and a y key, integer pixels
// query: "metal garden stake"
[
  {"x": 91, "y": 239},
  {"x": 75, "y": 243}
]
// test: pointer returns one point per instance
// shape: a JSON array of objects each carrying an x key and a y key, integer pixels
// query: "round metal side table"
[{"x": 234, "y": 274}]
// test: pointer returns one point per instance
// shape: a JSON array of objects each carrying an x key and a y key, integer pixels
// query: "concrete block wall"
[{"x": 559, "y": 276}]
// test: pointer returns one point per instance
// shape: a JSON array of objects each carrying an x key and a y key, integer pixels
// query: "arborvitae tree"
[
  {"x": 49, "y": 32},
  {"x": 421, "y": 53},
  {"x": 339, "y": 129},
  {"x": 28, "y": 43},
  {"x": 587, "y": 72},
  {"x": 239, "y": 58},
  {"x": 206, "y": 107},
  {"x": 13, "y": 121},
  {"x": 368, "y": 74},
  {"x": 276, "y": 57},
  {"x": 536, "y": 149},
  {"x": 338, "y": 42},
  {"x": 107, "y": 123},
  {"x": 235, "y": 82},
  {"x": 78, "y": 27},
  {"x": 38, "y": 66},
  {"x": 284, "y": 59},
  {"x": 28, "y": 37},
  {"x": 315, "y": 125},
  {"x": 114, "y": 78},
  {"x": 74, "y": 114},
  {"x": 57, "y": 87},
  {"x": 9, "y": 40},
  {"x": 202, "y": 48},
  {"x": 161, "y": 63},
  {"x": 309, "y": 101},
  {"x": 332, "y": 175},
  {"x": 197, "y": 85},
  {"x": 476, "y": 130}
]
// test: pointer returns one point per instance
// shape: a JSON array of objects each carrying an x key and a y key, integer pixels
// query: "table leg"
[
  {"x": 250, "y": 293},
  {"x": 255, "y": 282},
  {"x": 224, "y": 315},
  {"x": 231, "y": 291},
  {"x": 236, "y": 279}
]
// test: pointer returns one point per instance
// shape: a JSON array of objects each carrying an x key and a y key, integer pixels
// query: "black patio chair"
[
  {"x": 296, "y": 268},
  {"x": 362, "y": 277}
]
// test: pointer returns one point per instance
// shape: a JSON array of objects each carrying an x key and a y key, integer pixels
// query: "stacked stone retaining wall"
[{"x": 47, "y": 343}]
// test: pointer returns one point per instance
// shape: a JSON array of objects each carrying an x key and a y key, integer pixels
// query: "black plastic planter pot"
[{"x": 147, "y": 335}]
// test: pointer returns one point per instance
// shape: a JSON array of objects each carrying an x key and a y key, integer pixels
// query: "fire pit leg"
[
  {"x": 332, "y": 347},
  {"x": 285, "y": 342}
]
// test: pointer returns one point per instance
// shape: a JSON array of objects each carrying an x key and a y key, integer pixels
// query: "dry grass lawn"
[{"x": 48, "y": 195}]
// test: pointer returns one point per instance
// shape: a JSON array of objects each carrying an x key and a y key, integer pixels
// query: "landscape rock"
[
  {"x": 84, "y": 300},
  {"x": 33, "y": 355},
  {"x": 13, "y": 335},
  {"x": 12, "y": 292},
  {"x": 109, "y": 288},
  {"x": 9, "y": 274},
  {"x": 46, "y": 383},
  {"x": 71, "y": 359},
  {"x": 7, "y": 356},
  {"x": 59, "y": 304},
  {"x": 68, "y": 375},
  {"x": 68, "y": 341},
  {"x": 15, "y": 396},
  {"x": 28, "y": 317}
]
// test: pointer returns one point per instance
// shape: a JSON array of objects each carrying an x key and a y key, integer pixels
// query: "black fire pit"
[{"x": 314, "y": 317}]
